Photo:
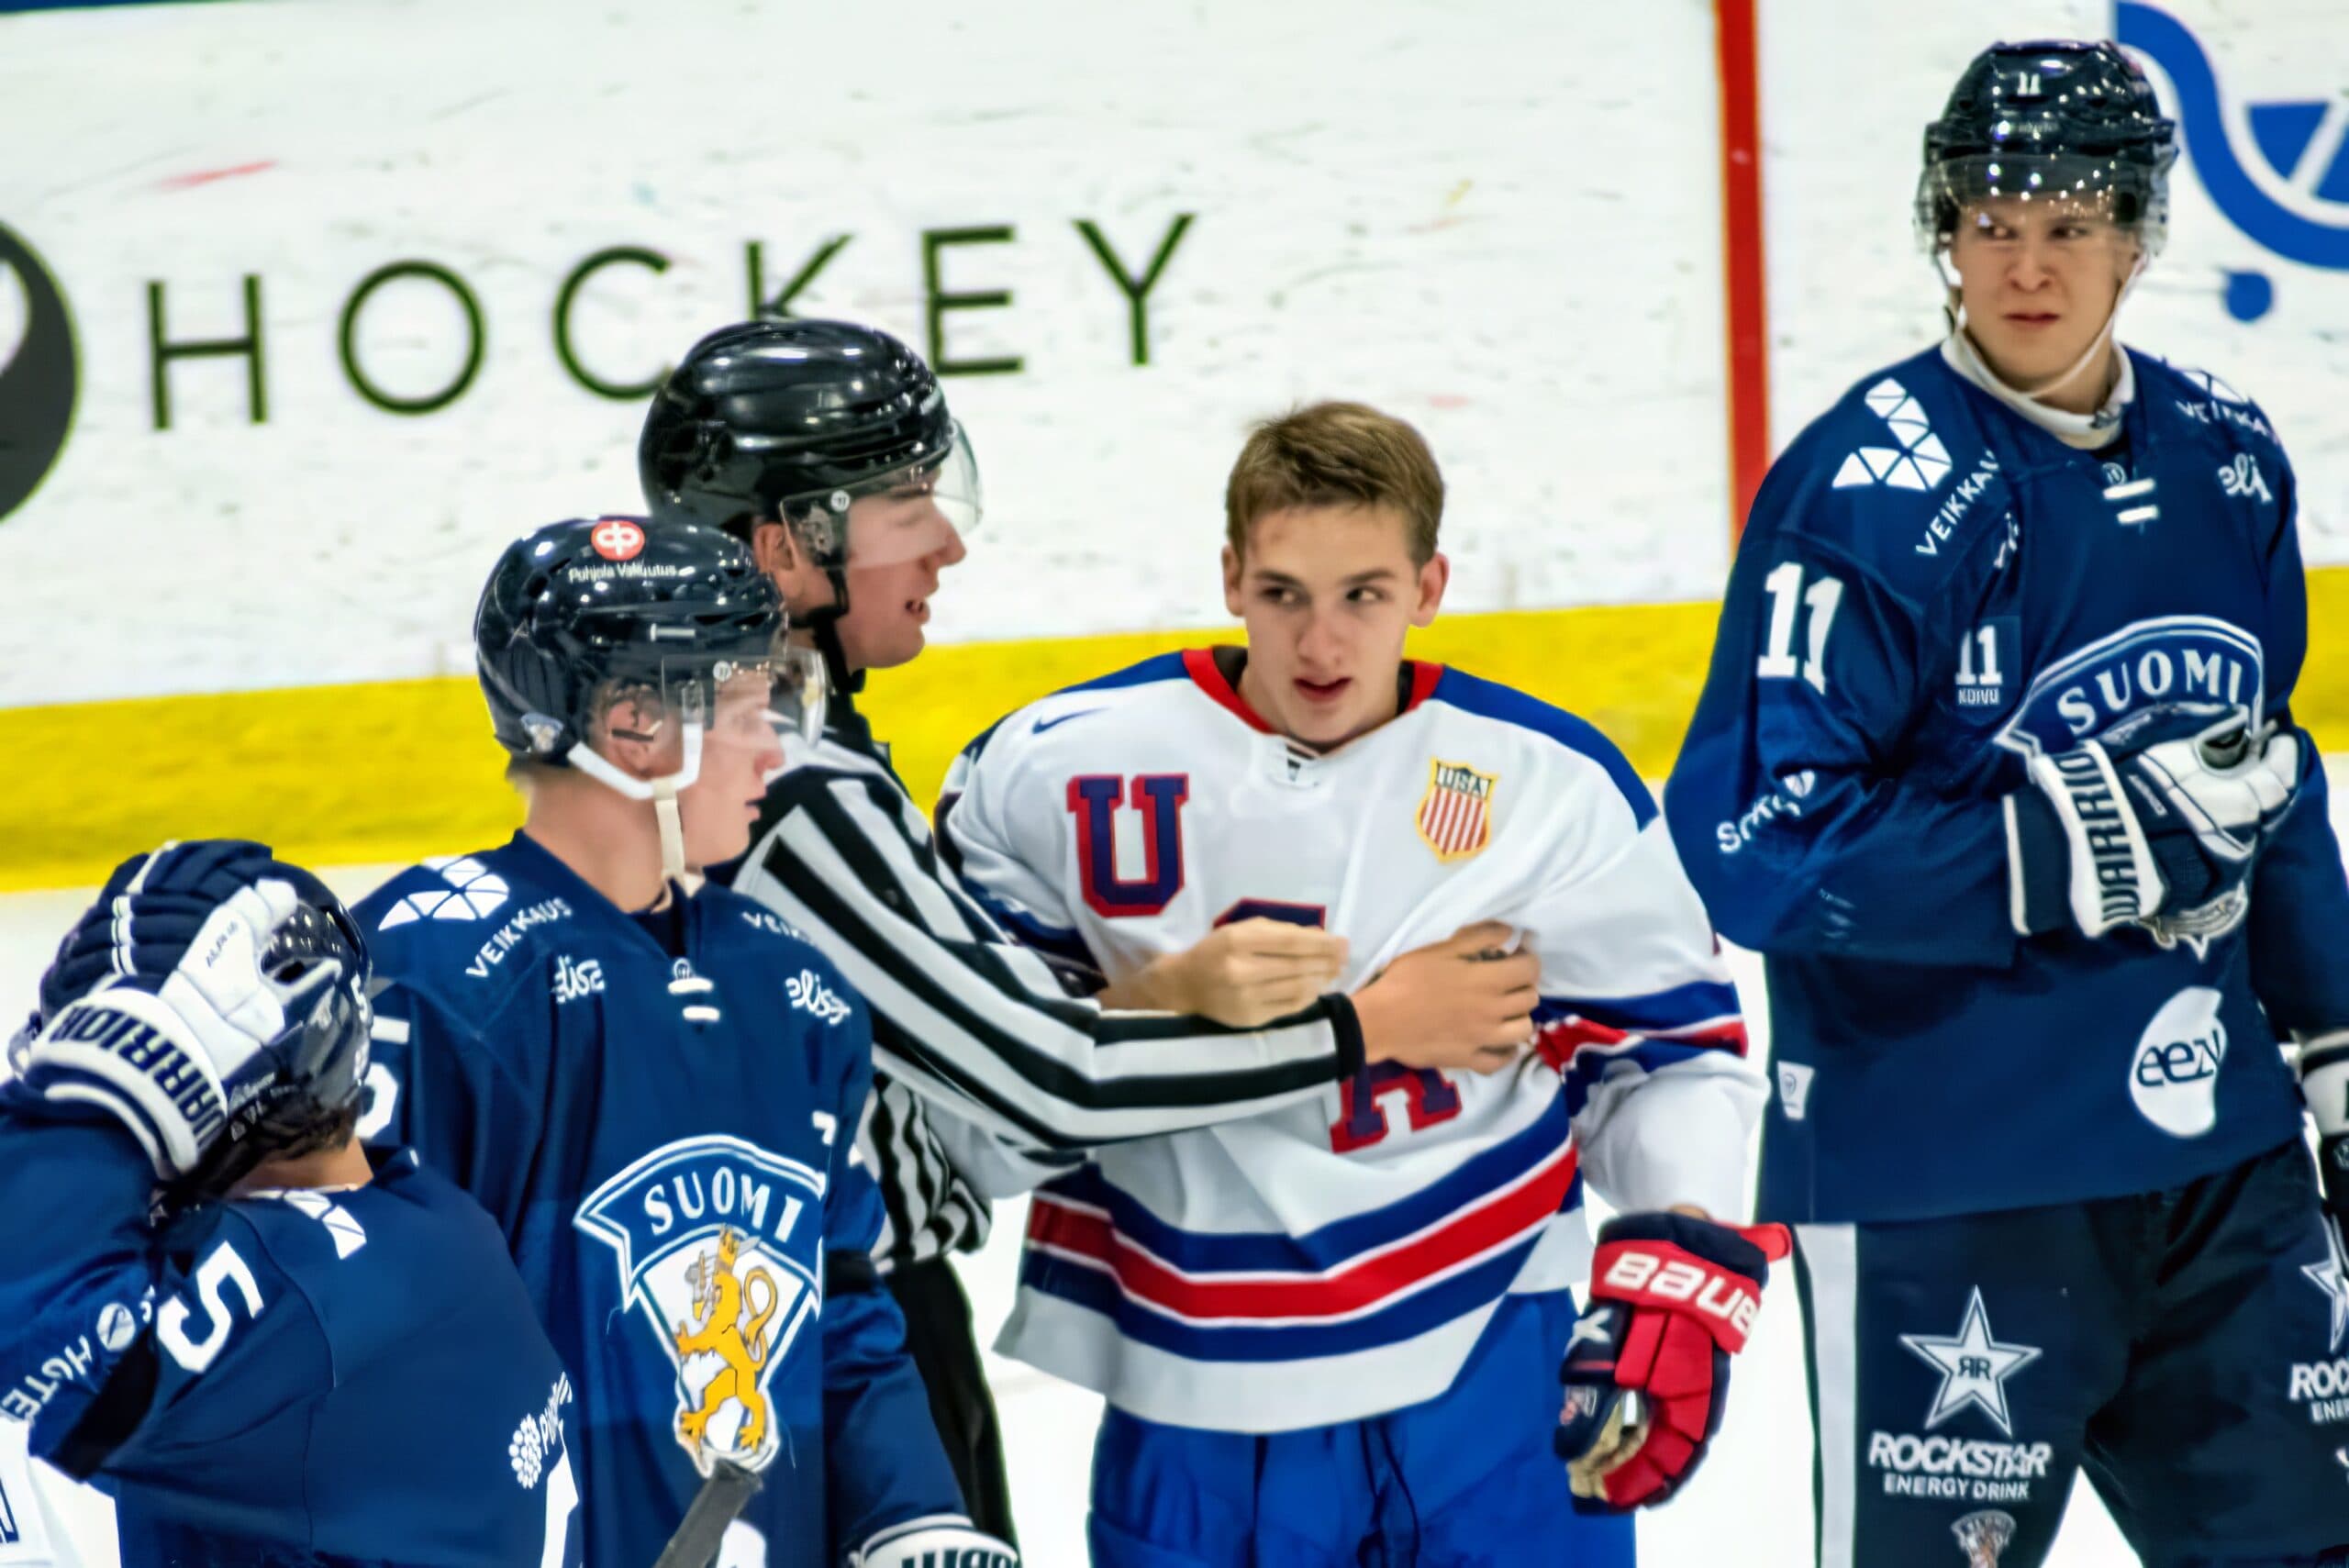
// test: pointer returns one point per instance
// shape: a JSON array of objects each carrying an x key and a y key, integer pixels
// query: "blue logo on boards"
[{"x": 2287, "y": 191}]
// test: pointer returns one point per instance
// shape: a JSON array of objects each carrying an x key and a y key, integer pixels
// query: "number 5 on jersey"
[{"x": 1788, "y": 596}]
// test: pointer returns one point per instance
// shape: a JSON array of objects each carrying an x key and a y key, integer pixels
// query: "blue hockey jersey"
[
  {"x": 666, "y": 1141},
  {"x": 291, "y": 1378},
  {"x": 1931, "y": 589}
]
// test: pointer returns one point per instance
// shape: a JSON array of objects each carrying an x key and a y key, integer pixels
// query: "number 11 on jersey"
[{"x": 1788, "y": 595}]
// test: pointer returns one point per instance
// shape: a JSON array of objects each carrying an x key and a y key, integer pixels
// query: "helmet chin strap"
[
  {"x": 2093, "y": 355},
  {"x": 823, "y": 624},
  {"x": 661, "y": 792}
]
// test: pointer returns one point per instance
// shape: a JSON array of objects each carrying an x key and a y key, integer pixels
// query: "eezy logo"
[{"x": 2174, "y": 1073}]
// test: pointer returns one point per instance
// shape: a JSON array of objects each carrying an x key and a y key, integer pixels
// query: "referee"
[{"x": 828, "y": 449}]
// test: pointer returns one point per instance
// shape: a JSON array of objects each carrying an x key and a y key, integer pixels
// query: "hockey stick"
[{"x": 722, "y": 1498}]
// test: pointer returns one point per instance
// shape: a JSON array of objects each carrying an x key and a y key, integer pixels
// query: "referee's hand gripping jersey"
[
  {"x": 829, "y": 449},
  {"x": 265, "y": 1348}
]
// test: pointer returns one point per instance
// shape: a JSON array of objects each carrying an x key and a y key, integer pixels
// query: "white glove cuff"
[
  {"x": 938, "y": 1540},
  {"x": 2324, "y": 1081}
]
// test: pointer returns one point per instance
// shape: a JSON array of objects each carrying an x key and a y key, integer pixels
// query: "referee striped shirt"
[{"x": 965, "y": 1015}]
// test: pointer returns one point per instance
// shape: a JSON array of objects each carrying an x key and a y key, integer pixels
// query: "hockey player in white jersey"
[{"x": 1331, "y": 1334}]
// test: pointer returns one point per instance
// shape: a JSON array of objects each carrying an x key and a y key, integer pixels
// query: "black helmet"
[
  {"x": 583, "y": 607},
  {"x": 2047, "y": 119},
  {"x": 791, "y": 419},
  {"x": 312, "y": 957}
]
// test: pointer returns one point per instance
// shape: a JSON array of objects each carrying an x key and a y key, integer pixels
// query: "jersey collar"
[
  {"x": 2087, "y": 432},
  {"x": 1215, "y": 671}
]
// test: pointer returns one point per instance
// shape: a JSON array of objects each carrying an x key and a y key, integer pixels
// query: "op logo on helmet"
[
  {"x": 2288, "y": 189},
  {"x": 40, "y": 376},
  {"x": 708, "y": 1236},
  {"x": 2169, "y": 660},
  {"x": 618, "y": 539}
]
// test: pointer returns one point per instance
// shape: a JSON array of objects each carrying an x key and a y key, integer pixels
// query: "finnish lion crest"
[
  {"x": 732, "y": 1322},
  {"x": 717, "y": 1242}
]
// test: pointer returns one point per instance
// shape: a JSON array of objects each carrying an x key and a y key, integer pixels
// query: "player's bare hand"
[
  {"x": 1243, "y": 974},
  {"x": 1465, "y": 1002}
]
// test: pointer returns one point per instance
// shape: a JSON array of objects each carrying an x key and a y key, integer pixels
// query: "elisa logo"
[
  {"x": 40, "y": 377},
  {"x": 2279, "y": 171}
]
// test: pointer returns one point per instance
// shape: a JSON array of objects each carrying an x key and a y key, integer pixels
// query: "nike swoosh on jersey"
[{"x": 1043, "y": 724}]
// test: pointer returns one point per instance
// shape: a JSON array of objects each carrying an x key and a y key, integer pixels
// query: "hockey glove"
[
  {"x": 2324, "y": 1083},
  {"x": 2156, "y": 822},
  {"x": 1672, "y": 1298},
  {"x": 157, "y": 1009},
  {"x": 931, "y": 1542}
]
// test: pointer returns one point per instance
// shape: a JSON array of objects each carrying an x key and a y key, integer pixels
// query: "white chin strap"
[
  {"x": 661, "y": 792},
  {"x": 2093, "y": 355}
]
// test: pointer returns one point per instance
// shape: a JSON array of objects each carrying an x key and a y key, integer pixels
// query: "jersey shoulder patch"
[
  {"x": 2183, "y": 399},
  {"x": 463, "y": 926},
  {"x": 741, "y": 930},
  {"x": 1899, "y": 477},
  {"x": 1548, "y": 724}
]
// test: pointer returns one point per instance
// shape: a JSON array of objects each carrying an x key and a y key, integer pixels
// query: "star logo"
[
  {"x": 2331, "y": 1277},
  {"x": 1974, "y": 1366}
]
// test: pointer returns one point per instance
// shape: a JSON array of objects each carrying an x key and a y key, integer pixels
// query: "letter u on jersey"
[{"x": 1095, "y": 798}]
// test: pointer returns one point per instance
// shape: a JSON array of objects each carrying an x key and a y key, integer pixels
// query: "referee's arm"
[{"x": 962, "y": 1011}]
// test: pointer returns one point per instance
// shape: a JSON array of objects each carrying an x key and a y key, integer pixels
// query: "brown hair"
[{"x": 1335, "y": 454}]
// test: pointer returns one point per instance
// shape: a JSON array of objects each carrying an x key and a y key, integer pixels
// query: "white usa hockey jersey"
[{"x": 1339, "y": 1259}]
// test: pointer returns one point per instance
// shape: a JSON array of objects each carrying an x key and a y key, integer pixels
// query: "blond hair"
[{"x": 1335, "y": 454}]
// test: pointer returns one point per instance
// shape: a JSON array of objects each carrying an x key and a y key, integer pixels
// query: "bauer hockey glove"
[
  {"x": 158, "y": 1008},
  {"x": 933, "y": 1542},
  {"x": 1672, "y": 1298},
  {"x": 2156, "y": 822},
  {"x": 2324, "y": 1083}
]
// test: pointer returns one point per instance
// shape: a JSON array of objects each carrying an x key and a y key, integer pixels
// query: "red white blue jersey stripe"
[{"x": 1338, "y": 1258}]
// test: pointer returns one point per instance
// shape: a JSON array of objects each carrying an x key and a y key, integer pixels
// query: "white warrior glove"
[
  {"x": 2324, "y": 1083},
  {"x": 172, "y": 1027},
  {"x": 2155, "y": 823},
  {"x": 938, "y": 1541}
]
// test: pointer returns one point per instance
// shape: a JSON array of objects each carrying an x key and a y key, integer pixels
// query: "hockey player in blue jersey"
[
  {"x": 653, "y": 1089},
  {"x": 1995, "y": 767},
  {"x": 266, "y": 1348}
]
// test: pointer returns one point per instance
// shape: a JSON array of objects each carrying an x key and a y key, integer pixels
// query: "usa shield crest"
[
  {"x": 704, "y": 1233},
  {"x": 1455, "y": 816}
]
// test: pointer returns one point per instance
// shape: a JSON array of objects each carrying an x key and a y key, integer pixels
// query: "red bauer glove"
[{"x": 1672, "y": 1298}]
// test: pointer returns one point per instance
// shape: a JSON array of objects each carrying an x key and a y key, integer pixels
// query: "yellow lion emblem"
[{"x": 718, "y": 1303}]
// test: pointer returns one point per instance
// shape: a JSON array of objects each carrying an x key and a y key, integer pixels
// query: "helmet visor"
[
  {"x": 903, "y": 515},
  {"x": 2106, "y": 194},
  {"x": 750, "y": 697}
]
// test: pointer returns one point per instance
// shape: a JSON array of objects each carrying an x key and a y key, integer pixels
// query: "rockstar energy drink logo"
[{"x": 38, "y": 378}]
